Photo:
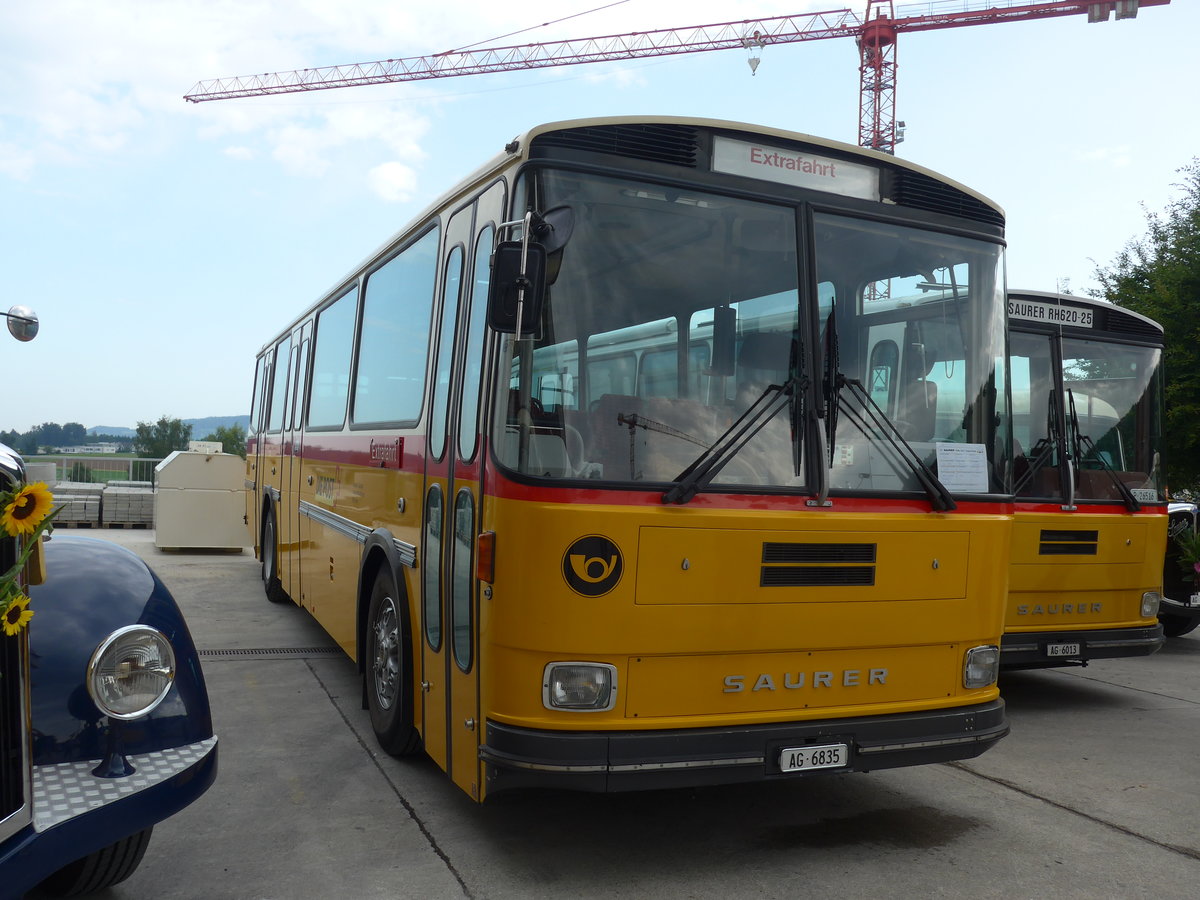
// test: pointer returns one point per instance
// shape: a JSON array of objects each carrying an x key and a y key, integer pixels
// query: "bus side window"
[
  {"x": 394, "y": 338},
  {"x": 331, "y": 362},
  {"x": 468, "y": 426},
  {"x": 277, "y": 403},
  {"x": 256, "y": 397}
]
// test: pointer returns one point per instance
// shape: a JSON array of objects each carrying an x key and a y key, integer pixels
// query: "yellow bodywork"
[
  {"x": 698, "y": 640},
  {"x": 1098, "y": 583}
]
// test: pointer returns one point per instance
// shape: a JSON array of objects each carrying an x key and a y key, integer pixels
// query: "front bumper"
[
  {"x": 76, "y": 813},
  {"x": 1030, "y": 650},
  {"x": 612, "y": 761}
]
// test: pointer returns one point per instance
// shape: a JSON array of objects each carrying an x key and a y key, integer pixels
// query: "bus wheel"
[
  {"x": 107, "y": 866},
  {"x": 389, "y": 669},
  {"x": 1178, "y": 626},
  {"x": 270, "y": 561}
]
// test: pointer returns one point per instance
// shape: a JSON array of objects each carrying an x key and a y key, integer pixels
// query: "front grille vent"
[
  {"x": 676, "y": 145},
  {"x": 817, "y": 565},
  {"x": 1131, "y": 325},
  {"x": 1057, "y": 542},
  {"x": 817, "y": 576},
  {"x": 919, "y": 191}
]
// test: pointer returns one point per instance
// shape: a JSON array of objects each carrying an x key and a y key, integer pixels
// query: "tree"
[
  {"x": 50, "y": 434},
  {"x": 74, "y": 434},
  {"x": 232, "y": 438},
  {"x": 161, "y": 439},
  {"x": 1159, "y": 276}
]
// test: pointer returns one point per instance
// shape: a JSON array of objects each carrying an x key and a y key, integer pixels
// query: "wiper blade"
[
  {"x": 874, "y": 418},
  {"x": 1043, "y": 450},
  {"x": 705, "y": 467}
]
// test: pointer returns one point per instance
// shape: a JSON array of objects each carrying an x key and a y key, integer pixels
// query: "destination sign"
[
  {"x": 1050, "y": 313},
  {"x": 806, "y": 170}
]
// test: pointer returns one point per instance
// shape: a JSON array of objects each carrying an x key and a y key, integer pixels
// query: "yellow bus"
[
  {"x": 1090, "y": 523},
  {"x": 658, "y": 452}
]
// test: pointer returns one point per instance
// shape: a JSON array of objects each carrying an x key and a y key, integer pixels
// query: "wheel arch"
[{"x": 381, "y": 551}]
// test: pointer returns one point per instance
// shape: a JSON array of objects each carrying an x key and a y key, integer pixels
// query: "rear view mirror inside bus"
[{"x": 517, "y": 287}]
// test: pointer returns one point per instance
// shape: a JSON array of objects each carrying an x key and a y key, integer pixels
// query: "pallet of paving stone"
[
  {"x": 128, "y": 505},
  {"x": 78, "y": 503}
]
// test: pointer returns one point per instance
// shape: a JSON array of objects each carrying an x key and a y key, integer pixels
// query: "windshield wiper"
[
  {"x": 872, "y": 418},
  {"x": 705, "y": 467},
  {"x": 1043, "y": 451},
  {"x": 1084, "y": 441}
]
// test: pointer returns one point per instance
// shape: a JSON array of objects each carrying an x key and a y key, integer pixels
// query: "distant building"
[{"x": 91, "y": 448}]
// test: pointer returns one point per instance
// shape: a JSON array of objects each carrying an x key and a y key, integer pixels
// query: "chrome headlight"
[
  {"x": 1150, "y": 604},
  {"x": 981, "y": 668},
  {"x": 131, "y": 672},
  {"x": 579, "y": 686}
]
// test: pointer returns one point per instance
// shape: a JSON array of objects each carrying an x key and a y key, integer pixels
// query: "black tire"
[
  {"x": 97, "y": 871},
  {"x": 270, "y": 561},
  {"x": 388, "y": 668},
  {"x": 1178, "y": 626}
]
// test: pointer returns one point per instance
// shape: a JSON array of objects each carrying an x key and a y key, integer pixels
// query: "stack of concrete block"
[
  {"x": 129, "y": 503},
  {"x": 78, "y": 503}
]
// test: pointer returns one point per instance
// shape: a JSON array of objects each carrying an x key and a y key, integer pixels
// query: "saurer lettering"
[
  {"x": 1060, "y": 609},
  {"x": 792, "y": 681}
]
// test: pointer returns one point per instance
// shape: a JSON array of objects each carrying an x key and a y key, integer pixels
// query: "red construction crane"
[{"x": 876, "y": 33}]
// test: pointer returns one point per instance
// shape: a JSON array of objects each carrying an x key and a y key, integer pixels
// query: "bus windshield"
[
  {"x": 914, "y": 322},
  {"x": 672, "y": 313},
  {"x": 1107, "y": 416}
]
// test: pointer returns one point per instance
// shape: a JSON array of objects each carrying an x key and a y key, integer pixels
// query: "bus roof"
[{"x": 517, "y": 151}]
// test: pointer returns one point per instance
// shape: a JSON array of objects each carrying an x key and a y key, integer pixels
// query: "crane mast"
[{"x": 875, "y": 32}]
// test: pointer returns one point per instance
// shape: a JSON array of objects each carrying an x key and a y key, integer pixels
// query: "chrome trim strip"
[
  {"x": 691, "y": 764},
  {"x": 347, "y": 528},
  {"x": 406, "y": 551},
  {"x": 510, "y": 763},
  {"x": 918, "y": 745},
  {"x": 340, "y": 524},
  {"x": 1129, "y": 642},
  {"x": 1016, "y": 648}
]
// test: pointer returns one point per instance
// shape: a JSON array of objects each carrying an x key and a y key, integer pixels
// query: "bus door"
[
  {"x": 254, "y": 451},
  {"x": 271, "y": 458},
  {"x": 453, "y": 501},
  {"x": 291, "y": 531}
]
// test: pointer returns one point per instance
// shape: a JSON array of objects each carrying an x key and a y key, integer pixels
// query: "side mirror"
[
  {"x": 516, "y": 290},
  {"x": 22, "y": 323}
]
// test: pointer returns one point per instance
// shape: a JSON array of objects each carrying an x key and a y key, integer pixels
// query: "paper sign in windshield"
[{"x": 962, "y": 468}]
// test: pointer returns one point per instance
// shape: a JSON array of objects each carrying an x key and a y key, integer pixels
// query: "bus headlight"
[
  {"x": 1150, "y": 603},
  {"x": 131, "y": 672},
  {"x": 981, "y": 667},
  {"x": 579, "y": 686}
]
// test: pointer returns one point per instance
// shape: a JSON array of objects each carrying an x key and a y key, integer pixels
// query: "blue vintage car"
[{"x": 105, "y": 727}]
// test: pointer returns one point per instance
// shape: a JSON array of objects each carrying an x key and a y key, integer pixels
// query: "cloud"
[
  {"x": 1118, "y": 157},
  {"x": 393, "y": 181},
  {"x": 16, "y": 162}
]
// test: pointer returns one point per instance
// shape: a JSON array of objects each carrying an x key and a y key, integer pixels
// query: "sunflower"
[
  {"x": 16, "y": 615},
  {"x": 24, "y": 513}
]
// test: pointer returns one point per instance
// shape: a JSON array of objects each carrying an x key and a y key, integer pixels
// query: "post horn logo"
[{"x": 592, "y": 566}]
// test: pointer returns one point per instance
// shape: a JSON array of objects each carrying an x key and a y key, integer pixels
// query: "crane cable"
[{"x": 532, "y": 28}]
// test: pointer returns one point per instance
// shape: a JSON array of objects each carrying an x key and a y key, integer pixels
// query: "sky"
[{"x": 162, "y": 243}]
